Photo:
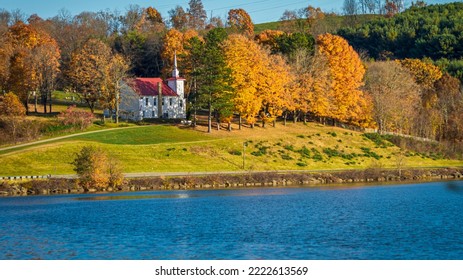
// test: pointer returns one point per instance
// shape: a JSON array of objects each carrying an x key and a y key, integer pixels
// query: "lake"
[{"x": 415, "y": 221}]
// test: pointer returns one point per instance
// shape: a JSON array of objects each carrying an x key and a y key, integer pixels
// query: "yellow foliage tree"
[
  {"x": 275, "y": 91},
  {"x": 268, "y": 38},
  {"x": 349, "y": 103},
  {"x": 425, "y": 73},
  {"x": 244, "y": 58},
  {"x": 176, "y": 42}
]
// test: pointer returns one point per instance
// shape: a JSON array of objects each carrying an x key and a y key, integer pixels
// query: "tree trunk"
[
  {"x": 36, "y": 101},
  {"x": 209, "y": 118},
  {"x": 117, "y": 108},
  {"x": 50, "y": 104},
  {"x": 229, "y": 126},
  {"x": 285, "y": 117},
  {"x": 275, "y": 122},
  {"x": 44, "y": 103},
  {"x": 295, "y": 116},
  {"x": 240, "y": 122}
]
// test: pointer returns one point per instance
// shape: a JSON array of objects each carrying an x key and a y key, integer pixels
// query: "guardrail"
[{"x": 14, "y": 178}]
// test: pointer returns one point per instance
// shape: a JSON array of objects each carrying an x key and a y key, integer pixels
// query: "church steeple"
[
  {"x": 176, "y": 83},
  {"x": 175, "y": 72}
]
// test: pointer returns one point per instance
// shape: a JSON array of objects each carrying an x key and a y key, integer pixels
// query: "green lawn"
[{"x": 164, "y": 148}]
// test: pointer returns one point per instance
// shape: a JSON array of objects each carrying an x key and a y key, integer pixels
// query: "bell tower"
[{"x": 176, "y": 83}]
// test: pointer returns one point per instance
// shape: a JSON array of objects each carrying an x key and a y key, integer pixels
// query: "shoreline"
[{"x": 59, "y": 186}]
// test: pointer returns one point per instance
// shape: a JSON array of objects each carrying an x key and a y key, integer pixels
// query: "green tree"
[{"x": 213, "y": 77}]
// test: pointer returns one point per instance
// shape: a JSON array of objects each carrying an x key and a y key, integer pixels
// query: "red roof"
[{"x": 149, "y": 87}]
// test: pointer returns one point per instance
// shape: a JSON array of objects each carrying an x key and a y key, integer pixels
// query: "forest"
[{"x": 397, "y": 73}]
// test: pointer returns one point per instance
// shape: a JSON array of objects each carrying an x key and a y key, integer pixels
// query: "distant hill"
[
  {"x": 330, "y": 24},
  {"x": 434, "y": 32}
]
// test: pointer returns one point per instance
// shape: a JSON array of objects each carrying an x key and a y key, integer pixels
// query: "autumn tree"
[
  {"x": 243, "y": 57},
  {"x": 350, "y": 104},
  {"x": 33, "y": 62},
  {"x": 96, "y": 170},
  {"x": 178, "y": 18},
  {"x": 269, "y": 38},
  {"x": 425, "y": 74},
  {"x": 45, "y": 60},
  {"x": 314, "y": 18},
  {"x": 275, "y": 89},
  {"x": 12, "y": 113},
  {"x": 153, "y": 15},
  {"x": 396, "y": 96},
  {"x": 240, "y": 21},
  {"x": 6, "y": 50},
  {"x": 88, "y": 72},
  {"x": 196, "y": 15},
  {"x": 450, "y": 106},
  {"x": 116, "y": 70},
  {"x": 294, "y": 21},
  {"x": 311, "y": 85}
]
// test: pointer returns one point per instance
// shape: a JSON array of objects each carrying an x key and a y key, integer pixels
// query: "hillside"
[
  {"x": 434, "y": 32},
  {"x": 161, "y": 148},
  {"x": 329, "y": 24}
]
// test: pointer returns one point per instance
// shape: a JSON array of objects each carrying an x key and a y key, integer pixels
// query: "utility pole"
[{"x": 245, "y": 143}]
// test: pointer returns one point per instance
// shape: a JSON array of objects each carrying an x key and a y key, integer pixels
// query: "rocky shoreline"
[{"x": 224, "y": 181}]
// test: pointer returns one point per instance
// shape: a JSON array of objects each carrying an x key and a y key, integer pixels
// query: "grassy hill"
[{"x": 164, "y": 148}]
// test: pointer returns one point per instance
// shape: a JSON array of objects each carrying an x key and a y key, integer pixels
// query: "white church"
[{"x": 149, "y": 98}]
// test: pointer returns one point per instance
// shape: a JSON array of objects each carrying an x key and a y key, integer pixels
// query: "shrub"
[
  {"x": 77, "y": 118},
  {"x": 367, "y": 152},
  {"x": 235, "y": 153},
  {"x": 96, "y": 169},
  {"x": 304, "y": 152},
  {"x": 380, "y": 140},
  {"x": 289, "y": 148},
  {"x": 286, "y": 157}
]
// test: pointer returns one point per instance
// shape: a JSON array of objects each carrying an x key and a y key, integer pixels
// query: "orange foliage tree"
[
  {"x": 239, "y": 20},
  {"x": 268, "y": 38},
  {"x": 34, "y": 61},
  {"x": 12, "y": 113},
  {"x": 350, "y": 104},
  {"x": 87, "y": 70},
  {"x": 261, "y": 81}
]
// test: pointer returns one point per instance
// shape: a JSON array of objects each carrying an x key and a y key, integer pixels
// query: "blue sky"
[{"x": 260, "y": 10}]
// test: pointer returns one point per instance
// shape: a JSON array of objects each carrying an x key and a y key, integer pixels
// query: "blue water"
[{"x": 420, "y": 221}]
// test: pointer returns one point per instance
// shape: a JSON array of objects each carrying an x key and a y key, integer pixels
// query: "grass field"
[{"x": 163, "y": 148}]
